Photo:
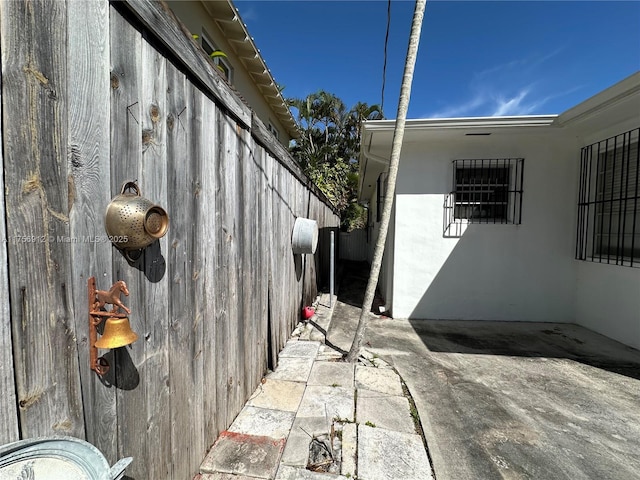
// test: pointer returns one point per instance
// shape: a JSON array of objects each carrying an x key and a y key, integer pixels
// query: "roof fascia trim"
[
  {"x": 613, "y": 95},
  {"x": 462, "y": 122}
]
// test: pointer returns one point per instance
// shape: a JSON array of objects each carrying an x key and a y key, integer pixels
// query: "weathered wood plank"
[
  {"x": 154, "y": 369},
  {"x": 275, "y": 278},
  {"x": 290, "y": 293},
  {"x": 284, "y": 259},
  {"x": 126, "y": 165},
  {"x": 247, "y": 247},
  {"x": 185, "y": 327},
  {"x": 260, "y": 258},
  {"x": 269, "y": 226},
  {"x": 234, "y": 231},
  {"x": 8, "y": 402},
  {"x": 158, "y": 18},
  {"x": 205, "y": 191},
  {"x": 89, "y": 180},
  {"x": 265, "y": 238},
  {"x": 222, "y": 236},
  {"x": 35, "y": 161}
]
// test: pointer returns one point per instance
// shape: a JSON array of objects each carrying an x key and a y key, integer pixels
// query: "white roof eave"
[
  {"x": 240, "y": 29},
  {"x": 462, "y": 123}
]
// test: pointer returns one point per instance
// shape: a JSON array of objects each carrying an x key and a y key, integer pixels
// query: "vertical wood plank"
[
  {"x": 277, "y": 277},
  {"x": 8, "y": 402},
  {"x": 284, "y": 186},
  {"x": 89, "y": 181},
  {"x": 232, "y": 209},
  {"x": 269, "y": 225},
  {"x": 289, "y": 289},
  {"x": 248, "y": 247},
  {"x": 154, "y": 369},
  {"x": 261, "y": 261},
  {"x": 185, "y": 327},
  {"x": 126, "y": 165},
  {"x": 222, "y": 274},
  {"x": 205, "y": 190},
  {"x": 35, "y": 161}
]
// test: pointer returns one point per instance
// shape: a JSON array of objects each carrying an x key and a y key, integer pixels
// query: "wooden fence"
[{"x": 93, "y": 95}]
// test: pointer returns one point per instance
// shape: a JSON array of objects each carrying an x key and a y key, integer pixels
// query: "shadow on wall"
[
  {"x": 494, "y": 272},
  {"x": 123, "y": 373},
  {"x": 518, "y": 339},
  {"x": 150, "y": 261},
  {"x": 322, "y": 257}
]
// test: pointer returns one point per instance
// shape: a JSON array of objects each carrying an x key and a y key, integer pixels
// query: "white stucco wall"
[
  {"x": 608, "y": 296},
  {"x": 608, "y": 300},
  {"x": 493, "y": 272}
]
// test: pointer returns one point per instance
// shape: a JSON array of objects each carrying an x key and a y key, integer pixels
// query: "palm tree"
[
  {"x": 396, "y": 147},
  {"x": 328, "y": 147}
]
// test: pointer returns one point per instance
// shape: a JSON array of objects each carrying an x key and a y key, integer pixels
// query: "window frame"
[
  {"x": 274, "y": 131},
  {"x": 487, "y": 198},
  {"x": 490, "y": 189},
  {"x": 222, "y": 63},
  {"x": 609, "y": 201}
]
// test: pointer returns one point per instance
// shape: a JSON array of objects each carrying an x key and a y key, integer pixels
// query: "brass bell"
[{"x": 117, "y": 333}]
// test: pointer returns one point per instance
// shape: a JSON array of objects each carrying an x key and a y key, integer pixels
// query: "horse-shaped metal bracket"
[
  {"x": 97, "y": 314},
  {"x": 111, "y": 296}
]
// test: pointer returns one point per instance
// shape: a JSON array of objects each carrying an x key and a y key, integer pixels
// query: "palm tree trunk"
[{"x": 396, "y": 147}]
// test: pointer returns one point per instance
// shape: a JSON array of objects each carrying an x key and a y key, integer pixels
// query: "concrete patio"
[
  {"x": 496, "y": 400},
  {"x": 510, "y": 399}
]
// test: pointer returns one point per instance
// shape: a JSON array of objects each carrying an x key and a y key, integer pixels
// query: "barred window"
[
  {"x": 608, "y": 201},
  {"x": 484, "y": 191}
]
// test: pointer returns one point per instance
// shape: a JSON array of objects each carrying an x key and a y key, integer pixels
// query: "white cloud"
[
  {"x": 460, "y": 110},
  {"x": 507, "y": 89},
  {"x": 513, "y": 105}
]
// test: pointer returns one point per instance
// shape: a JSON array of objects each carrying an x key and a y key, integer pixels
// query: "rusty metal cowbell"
[{"x": 133, "y": 222}]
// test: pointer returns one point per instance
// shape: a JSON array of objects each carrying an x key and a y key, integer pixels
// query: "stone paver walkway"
[{"x": 360, "y": 406}]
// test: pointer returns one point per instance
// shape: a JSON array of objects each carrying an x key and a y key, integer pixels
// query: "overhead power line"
[{"x": 384, "y": 65}]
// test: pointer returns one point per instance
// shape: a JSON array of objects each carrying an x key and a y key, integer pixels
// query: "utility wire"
[{"x": 384, "y": 65}]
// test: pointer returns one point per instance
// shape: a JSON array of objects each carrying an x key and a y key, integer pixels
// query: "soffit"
[
  {"x": 377, "y": 137},
  {"x": 228, "y": 19}
]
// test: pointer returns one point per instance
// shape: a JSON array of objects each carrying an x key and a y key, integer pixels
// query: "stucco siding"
[
  {"x": 608, "y": 301},
  {"x": 492, "y": 272},
  {"x": 608, "y": 296}
]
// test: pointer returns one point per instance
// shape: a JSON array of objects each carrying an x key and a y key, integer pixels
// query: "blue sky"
[{"x": 475, "y": 58}]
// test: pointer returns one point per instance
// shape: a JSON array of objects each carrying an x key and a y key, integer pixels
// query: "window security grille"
[
  {"x": 484, "y": 191},
  {"x": 609, "y": 202}
]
